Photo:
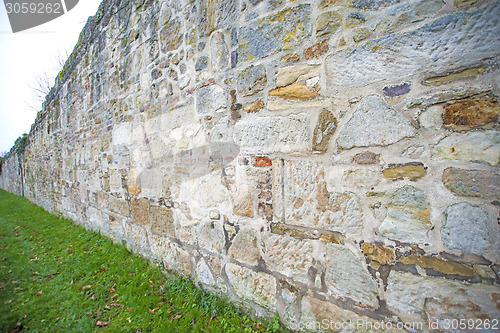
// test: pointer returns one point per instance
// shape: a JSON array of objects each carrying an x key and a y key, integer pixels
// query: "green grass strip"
[{"x": 56, "y": 276}]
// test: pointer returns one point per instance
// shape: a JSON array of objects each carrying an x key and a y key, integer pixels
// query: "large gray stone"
[
  {"x": 374, "y": 124},
  {"x": 252, "y": 286},
  {"x": 452, "y": 41},
  {"x": 471, "y": 146},
  {"x": 466, "y": 228},
  {"x": 343, "y": 265},
  {"x": 411, "y": 296},
  {"x": 274, "y": 33},
  {"x": 274, "y": 134}
]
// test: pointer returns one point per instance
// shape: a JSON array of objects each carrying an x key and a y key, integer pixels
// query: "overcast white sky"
[{"x": 29, "y": 54}]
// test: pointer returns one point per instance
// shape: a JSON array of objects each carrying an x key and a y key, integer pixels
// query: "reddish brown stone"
[
  {"x": 263, "y": 161},
  {"x": 471, "y": 112},
  {"x": 316, "y": 50},
  {"x": 366, "y": 157}
]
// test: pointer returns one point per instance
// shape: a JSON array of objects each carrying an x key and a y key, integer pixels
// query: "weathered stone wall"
[{"x": 330, "y": 160}]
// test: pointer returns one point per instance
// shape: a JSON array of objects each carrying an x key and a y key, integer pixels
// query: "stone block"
[
  {"x": 443, "y": 43},
  {"x": 255, "y": 106},
  {"x": 219, "y": 51},
  {"x": 342, "y": 266},
  {"x": 210, "y": 99},
  {"x": 291, "y": 74},
  {"x": 468, "y": 113},
  {"x": 326, "y": 127},
  {"x": 382, "y": 254},
  {"x": 438, "y": 299},
  {"x": 211, "y": 237},
  {"x": 274, "y": 134},
  {"x": 251, "y": 80},
  {"x": 482, "y": 146},
  {"x": 203, "y": 274},
  {"x": 366, "y": 158},
  {"x": 290, "y": 257},
  {"x": 140, "y": 210},
  {"x": 243, "y": 200},
  {"x": 454, "y": 76},
  {"x": 374, "y": 124},
  {"x": 307, "y": 202},
  {"x": 274, "y": 33},
  {"x": 328, "y": 23},
  {"x": 252, "y": 286},
  {"x": 411, "y": 170},
  {"x": 171, "y": 36},
  {"x": 162, "y": 220},
  {"x": 408, "y": 216},
  {"x": 294, "y": 91},
  {"x": 472, "y": 183},
  {"x": 466, "y": 229},
  {"x": 324, "y": 315},
  {"x": 245, "y": 247},
  {"x": 316, "y": 50},
  {"x": 438, "y": 265}
]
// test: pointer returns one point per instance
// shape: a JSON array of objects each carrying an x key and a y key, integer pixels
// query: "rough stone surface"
[
  {"x": 291, "y": 257},
  {"x": 466, "y": 228},
  {"x": 274, "y": 33},
  {"x": 471, "y": 112},
  {"x": 316, "y": 50},
  {"x": 271, "y": 134},
  {"x": 408, "y": 216},
  {"x": 437, "y": 298},
  {"x": 291, "y": 74},
  {"x": 308, "y": 202},
  {"x": 409, "y": 170},
  {"x": 379, "y": 253},
  {"x": 472, "y": 146},
  {"x": 265, "y": 149},
  {"x": 328, "y": 23},
  {"x": 253, "y": 286},
  {"x": 245, "y": 247},
  {"x": 438, "y": 265},
  {"x": 366, "y": 157},
  {"x": 472, "y": 183},
  {"x": 444, "y": 43},
  {"x": 251, "y": 80},
  {"x": 327, "y": 125},
  {"x": 295, "y": 91},
  {"x": 341, "y": 260},
  {"x": 385, "y": 126}
]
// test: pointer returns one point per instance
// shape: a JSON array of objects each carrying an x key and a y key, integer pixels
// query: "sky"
[{"x": 28, "y": 55}]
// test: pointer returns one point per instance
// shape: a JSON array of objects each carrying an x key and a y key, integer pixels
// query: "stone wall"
[{"x": 335, "y": 161}]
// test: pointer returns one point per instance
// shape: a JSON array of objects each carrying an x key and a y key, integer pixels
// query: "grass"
[{"x": 57, "y": 276}]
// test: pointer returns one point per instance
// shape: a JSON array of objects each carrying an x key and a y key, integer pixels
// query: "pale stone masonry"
[{"x": 334, "y": 161}]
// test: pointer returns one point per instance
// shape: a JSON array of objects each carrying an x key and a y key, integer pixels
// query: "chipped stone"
[
  {"x": 327, "y": 125},
  {"x": 379, "y": 253},
  {"x": 316, "y": 50},
  {"x": 384, "y": 125},
  {"x": 328, "y": 23},
  {"x": 294, "y": 91}
]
